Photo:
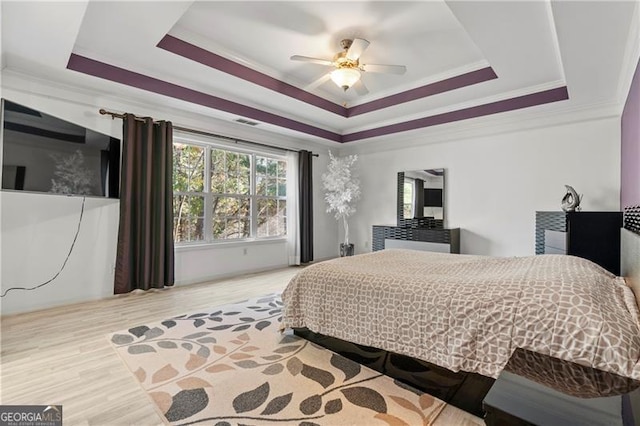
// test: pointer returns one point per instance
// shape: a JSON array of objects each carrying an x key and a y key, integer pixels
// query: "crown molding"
[
  {"x": 92, "y": 99},
  {"x": 432, "y": 79},
  {"x": 399, "y": 96},
  {"x": 207, "y": 44},
  {"x": 204, "y": 43},
  {"x": 467, "y": 130},
  {"x": 464, "y": 105},
  {"x": 554, "y": 31},
  {"x": 507, "y": 122},
  {"x": 137, "y": 80},
  {"x": 631, "y": 59}
]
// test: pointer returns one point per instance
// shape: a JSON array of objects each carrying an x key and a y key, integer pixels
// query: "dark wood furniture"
[
  {"x": 591, "y": 235},
  {"x": 533, "y": 389},
  {"x": 418, "y": 238},
  {"x": 462, "y": 389},
  {"x": 536, "y": 389},
  {"x": 418, "y": 232}
]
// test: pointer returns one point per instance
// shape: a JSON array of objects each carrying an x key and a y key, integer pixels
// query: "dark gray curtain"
[
  {"x": 418, "y": 198},
  {"x": 305, "y": 174},
  {"x": 144, "y": 256}
]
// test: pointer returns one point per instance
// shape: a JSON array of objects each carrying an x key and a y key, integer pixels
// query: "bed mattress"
[{"x": 470, "y": 313}]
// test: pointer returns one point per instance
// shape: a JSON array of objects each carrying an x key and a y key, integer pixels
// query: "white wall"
[
  {"x": 37, "y": 232},
  {"x": 495, "y": 184},
  {"x": 36, "y": 229}
]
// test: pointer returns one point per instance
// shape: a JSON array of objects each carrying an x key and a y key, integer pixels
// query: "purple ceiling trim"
[
  {"x": 133, "y": 79},
  {"x": 130, "y": 78},
  {"x": 539, "y": 98},
  {"x": 452, "y": 83},
  {"x": 210, "y": 59}
]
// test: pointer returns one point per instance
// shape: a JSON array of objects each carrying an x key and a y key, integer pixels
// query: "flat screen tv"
[
  {"x": 42, "y": 153},
  {"x": 433, "y": 197}
]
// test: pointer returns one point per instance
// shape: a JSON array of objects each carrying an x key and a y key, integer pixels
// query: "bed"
[{"x": 460, "y": 313}]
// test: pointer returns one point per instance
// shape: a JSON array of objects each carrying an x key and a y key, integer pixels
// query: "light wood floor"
[{"x": 62, "y": 355}]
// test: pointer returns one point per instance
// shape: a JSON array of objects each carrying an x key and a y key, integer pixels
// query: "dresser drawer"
[
  {"x": 442, "y": 240},
  {"x": 555, "y": 240},
  {"x": 418, "y": 245},
  {"x": 553, "y": 250}
]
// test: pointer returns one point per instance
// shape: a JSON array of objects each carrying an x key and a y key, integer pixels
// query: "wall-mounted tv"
[{"x": 42, "y": 153}]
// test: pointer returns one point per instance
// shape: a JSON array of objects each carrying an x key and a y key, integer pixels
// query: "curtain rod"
[{"x": 115, "y": 115}]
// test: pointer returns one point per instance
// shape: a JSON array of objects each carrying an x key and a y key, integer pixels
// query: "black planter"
[{"x": 346, "y": 249}]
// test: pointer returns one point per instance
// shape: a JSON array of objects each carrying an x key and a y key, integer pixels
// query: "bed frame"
[
  {"x": 630, "y": 260},
  {"x": 462, "y": 389}
]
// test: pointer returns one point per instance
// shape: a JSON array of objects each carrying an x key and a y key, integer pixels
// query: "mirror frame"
[{"x": 419, "y": 222}]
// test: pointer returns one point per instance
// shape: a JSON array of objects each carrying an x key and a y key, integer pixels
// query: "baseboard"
[
  {"x": 228, "y": 275},
  {"x": 246, "y": 272}
]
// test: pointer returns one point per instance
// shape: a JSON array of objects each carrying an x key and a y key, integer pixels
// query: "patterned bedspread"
[{"x": 470, "y": 313}]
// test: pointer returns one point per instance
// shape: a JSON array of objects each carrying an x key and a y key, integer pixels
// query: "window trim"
[
  {"x": 227, "y": 244},
  {"x": 209, "y": 241}
]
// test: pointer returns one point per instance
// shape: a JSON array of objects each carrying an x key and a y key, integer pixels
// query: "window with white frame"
[
  {"x": 222, "y": 194},
  {"x": 407, "y": 201}
]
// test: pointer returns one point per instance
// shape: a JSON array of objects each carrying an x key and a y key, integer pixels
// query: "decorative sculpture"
[{"x": 571, "y": 200}]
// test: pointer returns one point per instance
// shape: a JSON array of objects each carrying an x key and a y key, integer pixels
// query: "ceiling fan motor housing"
[
  {"x": 347, "y": 65},
  {"x": 346, "y": 43},
  {"x": 340, "y": 59}
]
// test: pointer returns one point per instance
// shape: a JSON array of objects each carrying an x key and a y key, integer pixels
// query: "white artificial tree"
[{"x": 342, "y": 189}]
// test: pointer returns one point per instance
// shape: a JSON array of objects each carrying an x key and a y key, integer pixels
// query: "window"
[
  {"x": 407, "y": 202},
  {"x": 223, "y": 194},
  {"x": 271, "y": 196},
  {"x": 231, "y": 194},
  {"x": 188, "y": 192}
]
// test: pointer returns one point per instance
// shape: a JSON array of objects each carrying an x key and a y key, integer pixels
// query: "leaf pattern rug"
[{"x": 232, "y": 366}]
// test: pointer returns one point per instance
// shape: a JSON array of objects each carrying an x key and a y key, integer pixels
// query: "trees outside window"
[
  {"x": 222, "y": 194},
  {"x": 407, "y": 201},
  {"x": 188, "y": 192}
]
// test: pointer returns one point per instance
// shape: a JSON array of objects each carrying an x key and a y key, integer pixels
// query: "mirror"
[{"x": 421, "y": 194}]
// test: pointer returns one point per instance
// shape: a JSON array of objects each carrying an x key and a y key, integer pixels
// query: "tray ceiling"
[{"x": 230, "y": 60}]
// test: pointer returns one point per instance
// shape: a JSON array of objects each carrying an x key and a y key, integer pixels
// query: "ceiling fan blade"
[
  {"x": 318, "y": 82},
  {"x": 312, "y": 60},
  {"x": 385, "y": 69},
  {"x": 360, "y": 88},
  {"x": 358, "y": 45}
]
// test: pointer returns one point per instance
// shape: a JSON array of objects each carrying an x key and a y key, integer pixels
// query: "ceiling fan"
[{"x": 348, "y": 66}]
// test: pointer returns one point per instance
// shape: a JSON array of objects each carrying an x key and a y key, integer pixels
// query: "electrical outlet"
[{"x": 244, "y": 251}]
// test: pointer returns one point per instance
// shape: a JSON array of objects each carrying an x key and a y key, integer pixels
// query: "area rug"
[{"x": 232, "y": 365}]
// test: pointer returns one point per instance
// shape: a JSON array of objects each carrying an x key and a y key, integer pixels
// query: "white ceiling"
[
  {"x": 401, "y": 33},
  {"x": 532, "y": 46}
]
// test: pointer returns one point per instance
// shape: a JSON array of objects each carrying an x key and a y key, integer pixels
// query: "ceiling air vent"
[{"x": 247, "y": 122}]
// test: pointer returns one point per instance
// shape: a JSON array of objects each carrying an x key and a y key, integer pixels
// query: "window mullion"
[
  {"x": 254, "y": 201},
  {"x": 208, "y": 201}
]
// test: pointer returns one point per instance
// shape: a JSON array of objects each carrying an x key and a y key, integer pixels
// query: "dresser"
[
  {"x": 441, "y": 240},
  {"x": 591, "y": 235},
  {"x": 419, "y": 220}
]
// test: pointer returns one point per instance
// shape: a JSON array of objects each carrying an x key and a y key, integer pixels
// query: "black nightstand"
[
  {"x": 540, "y": 390},
  {"x": 591, "y": 235}
]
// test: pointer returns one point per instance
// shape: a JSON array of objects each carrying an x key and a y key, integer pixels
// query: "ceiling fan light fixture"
[{"x": 345, "y": 77}]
